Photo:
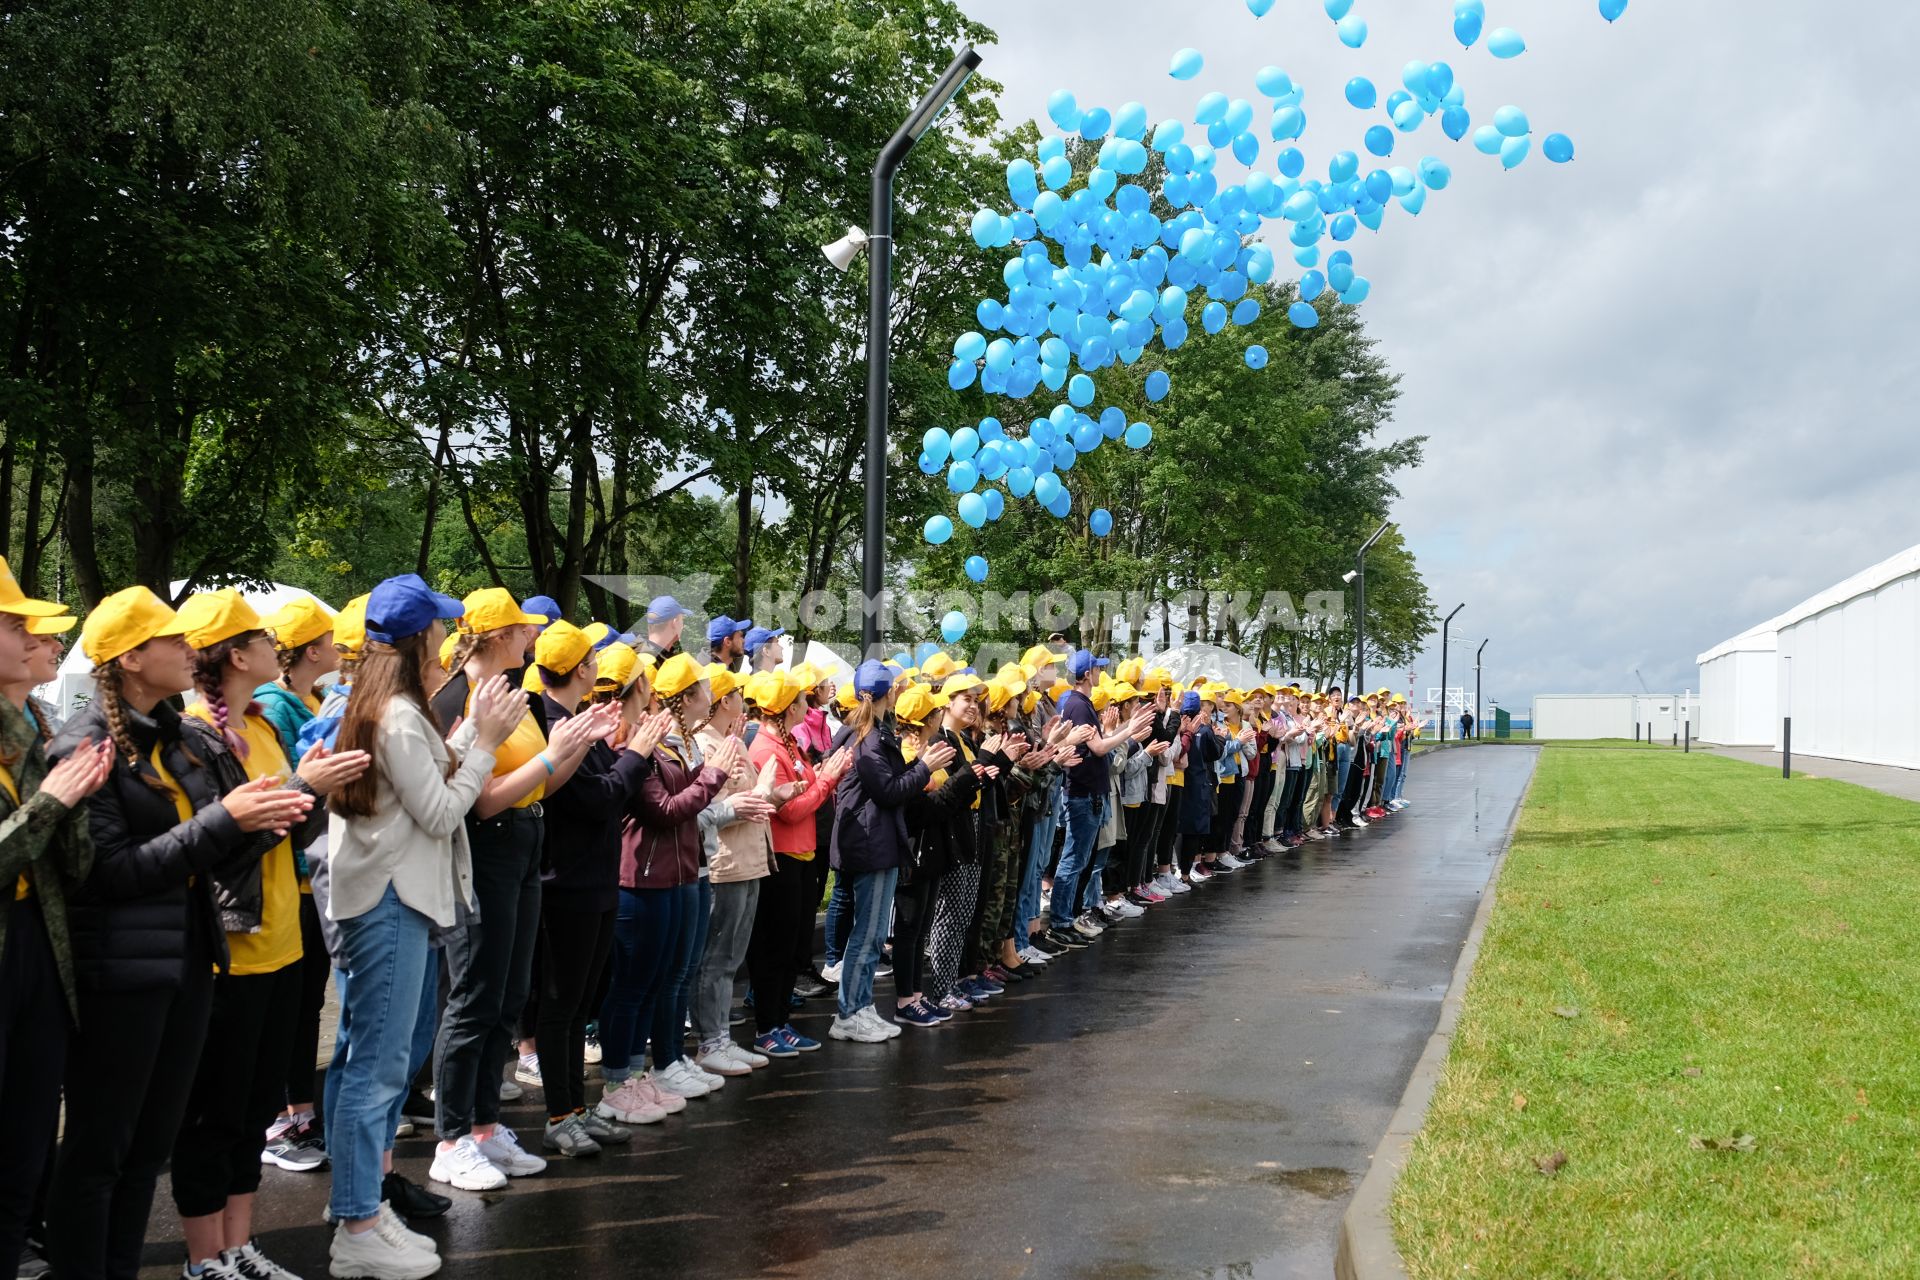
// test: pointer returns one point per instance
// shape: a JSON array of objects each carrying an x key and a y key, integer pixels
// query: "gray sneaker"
[
  {"x": 603, "y": 1130},
  {"x": 297, "y": 1150},
  {"x": 569, "y": 1137}
]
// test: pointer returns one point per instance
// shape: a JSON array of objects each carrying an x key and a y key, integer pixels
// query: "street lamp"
[
  {"x": 877, "y": 239},
  {"x": 1476, "y": 688},
  {"x": 1443, "y": 668},
  {"x": 1358, "y": 576}
]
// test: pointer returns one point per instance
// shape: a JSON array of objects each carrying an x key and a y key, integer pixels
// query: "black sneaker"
[
  {"x": 410, "y": 1199},
  {"x": 33, "y": 1262},
  {"x": 1067, "y": 939},
  {"x": 1041, "y": 941},
  {"x": 736, "y": 1016},
  {"x": 809, "y": 986}
]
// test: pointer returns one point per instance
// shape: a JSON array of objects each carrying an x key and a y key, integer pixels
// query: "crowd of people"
[{"x": 519, "y": 848}]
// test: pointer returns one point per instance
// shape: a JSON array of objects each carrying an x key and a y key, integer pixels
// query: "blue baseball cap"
[
  {"x": 546, "y": 606},
  {"x": 723, "y": 626},
  {"x": 603, "y": 635},
  {"x": 1189, "y": 703},
  {"x": 873, "y": 678},
  {"x": 663, "y": 609},
  {"x": 406, "y": 606},
  {"x": 760, "y": 635},
  {"x": 1080, "y": 661}
]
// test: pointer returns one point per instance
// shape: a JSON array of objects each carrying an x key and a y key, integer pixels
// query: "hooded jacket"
[{"x": 870, "y": 827}]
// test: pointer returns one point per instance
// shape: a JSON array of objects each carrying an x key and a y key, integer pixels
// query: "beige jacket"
[
  {"x": 735, "y": 850},
  {"x": 416, "y": 837}
]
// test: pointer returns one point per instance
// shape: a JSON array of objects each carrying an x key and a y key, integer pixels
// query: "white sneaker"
[
  {"x": 713, "y": 1080},
  {"x": 378, "y": 1254},
  {"x": 717, "y": 1061},
  {"x": 1127, "y": 910},
  {"x": 590, "y": 1054},
  {"x": 510, "y": 1092},
  {"x": 250, "y": 1264},
  {"x": 504, "y": 1152},
  {"x": 1230, "y": 862},
  {"x": 1033, "y": 955},
  {"x": 465, "y": 1168},
  {"x": 856, "y": 1028},
  {"x": 1087, "y": 928},
  {"x": 1178, "y": 884},
  {"x": 872, "y": 1015},
  {"x": 680, "y": 1082},
  {"x": 832, "y": 972},
  {"x": 527, "y": 1071},
  {"x": 747, "y": 1058},
  {"x": 630, "y": 1102},
  {"x": 391, "y": 1216}
]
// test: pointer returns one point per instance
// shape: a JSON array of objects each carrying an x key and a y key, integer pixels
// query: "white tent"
[
  {"x": 1849, "y": 666},
  {"x": 73, "y": 685},
  {"x": 1739, "y": 691},
  {"x": 824, "y": 659},
  {"x": 1188, "y": 662}
]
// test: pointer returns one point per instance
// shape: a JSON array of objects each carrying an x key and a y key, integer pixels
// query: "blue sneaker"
[
  {"x": 988, "y": 985},
  {"x": 939, "y": 1014},
  {"x": 973, "y": 989},
  {"x": 796, "y": 1041},
  {"x": 774, "y": 1045},
  {"x": 918, "y": 1015}
]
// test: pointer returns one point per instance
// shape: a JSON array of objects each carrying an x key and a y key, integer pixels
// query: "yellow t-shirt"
[
  {"x": 277, "y": 943},
  {"x": 523, "y": 744},
  {"x": 23, "y": 889}
]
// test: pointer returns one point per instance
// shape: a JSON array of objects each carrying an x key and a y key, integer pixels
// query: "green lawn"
[{"x": 1700, "y": 985}]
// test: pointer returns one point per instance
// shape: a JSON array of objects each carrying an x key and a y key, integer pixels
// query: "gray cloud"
[{"x": 1668, "y": 388}]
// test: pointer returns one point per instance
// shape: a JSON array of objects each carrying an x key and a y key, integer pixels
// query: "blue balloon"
[
  {"x": 1094, "y": 123},
  {"x": 1100, "y": 522},
  {"x": 1340, "y": 276},
  {"x": 930, "y": 465},
  {"x": 1273, "y": 82},
  {"x": 1513, "y": 151},
  {"x": 1505, "y": 42},
  {"x": 1353, "y": 31},
  {"x": 1057, "y": 173},
  {"x": 962, "y": 476},
  {"x": 1061, "y": 505},
  {"x": 1158, "y": 384},
  {"x": 966, "y": 443},
  {"x": 1435, "y": 173},
  {"x": 1312, "y": 285},
  {"x": 1303, "y": 315},
  {"x": 1307, "y": 257},
  {"x": 1258, "y": 8},
  {"x": 1361, "y": 93},
  {"x": 1139, "y": 436},
  {"x": 977, "y": 566},
  {"x": 1063, "y": 110},
  {"x": 996, "y": 505},
  {"x": 1407, "y": 116},
  {"x": 973, "y": 509},
  {"x": 1186, "y": 64},
  {"x": 1357, "y": 292},
  {"x": 1211, "y": 109},
  {"x": 1414, "y": 76},
  {"x": 938, "y": 529},
  {"x": 969, "y": 346},
  {"x": 1380, "y": 140},
  {"x": 937, "y": 444},
  {"x": 1256, "y": 357},
  {"x": 1246, "y": 147},
  {"x": 1558, "y": 148},
  {"x": 1612, "y": 9},
  {"x": 1287, "y": 123},
  {"x": 960, "y": 374},
  {"x": 1020, "y": 482},
  {"x": 1511, "y": 122},
  {"x": 1246, "y": 311},
  {"x": 1291, "y": 162},
  {"x": 1046, "y": 488},
  {"x": 1439, "y": 79},
  {"x": 1214, "y": 318},
  {"x": 1487, "y": 140},
  {"x": 1342, "y": 168},
  {"x": 1455, "y": 121},
  {"x": 1080, "y": 390},
  {"x": 1130, "y": 122},
  {"x": 1466, "y": 29},
  {"x": 1337, "y": 9},
  {"x": 953, "y": 627},
  {"x": 1343, "y": 227}
]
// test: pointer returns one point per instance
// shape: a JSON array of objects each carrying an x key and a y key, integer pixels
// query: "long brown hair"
[
  {"x": 866, "y": 714},
  {"x": 113, "y": 705},
  {"x": 209, "y": 675},
  {"x": 386, "y": 672}
]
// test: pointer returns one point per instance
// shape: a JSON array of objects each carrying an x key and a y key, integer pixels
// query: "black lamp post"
[
  {"x": 1443, "y": 668},
  {"x": 1476, "y": 687},
  {"x": 1359, "y": 579},
  {"x": 879, "y": 243}
]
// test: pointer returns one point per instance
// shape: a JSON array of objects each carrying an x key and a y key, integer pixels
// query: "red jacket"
[
  {"x": 660, "y": 844},
  {"x": 794, "y": 829}
]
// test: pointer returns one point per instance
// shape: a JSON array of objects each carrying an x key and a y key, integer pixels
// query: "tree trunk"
[
  {"x": 743, "y": 544},
  {"x": 80, "y": 545},
  {"x": 433, "y": 493},
  {"x": 28, "y": 569}
]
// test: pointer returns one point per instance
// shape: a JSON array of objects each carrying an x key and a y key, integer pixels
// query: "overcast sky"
[{"x": 1669, "y": 388}]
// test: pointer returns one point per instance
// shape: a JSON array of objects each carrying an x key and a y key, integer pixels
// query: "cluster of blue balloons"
[{"x": 1028, "y": 467}]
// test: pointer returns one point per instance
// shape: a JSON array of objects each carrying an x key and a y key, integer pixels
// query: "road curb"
[{"x": 1366, "y": 1250}]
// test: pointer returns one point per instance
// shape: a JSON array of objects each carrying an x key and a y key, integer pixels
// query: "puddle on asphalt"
[{"x": 1326, "y": 1184}]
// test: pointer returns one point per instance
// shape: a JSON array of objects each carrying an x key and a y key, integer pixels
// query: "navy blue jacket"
[
  {"x": 1196, "y": 797},
  {"x": 870, "y": 804}
]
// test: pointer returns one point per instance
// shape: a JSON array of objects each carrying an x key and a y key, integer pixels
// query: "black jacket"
[
  {"x": 580, "y": 851},
  {"x": 940, "y": 823},
  {"x": 870, "y": 815},
  {"x": 149, "y": 904}
]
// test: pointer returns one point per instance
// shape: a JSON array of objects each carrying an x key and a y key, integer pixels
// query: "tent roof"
[
  {"x": 1867, "y": 580},
  {"x": 1189, "y": 661},
  {"x": 1764, "y": 638}
]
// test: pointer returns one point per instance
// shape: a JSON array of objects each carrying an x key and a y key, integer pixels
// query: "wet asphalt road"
[{"x": 1194, "y": 1096}]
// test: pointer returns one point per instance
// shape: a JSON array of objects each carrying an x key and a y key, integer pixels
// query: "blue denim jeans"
[
  {"x": 872, "y": 893},
  {"x": 386, "y": 961},
  {"x": 1397, "y": 779},
  {"x": 839, "y": 919},
  {"x": 1084, "y": 816},
  {"x": 643, "y": 937},
  {"x": 1038, "y": 853},
  {"x": 1342, "y": 761},
  {"x": 425, "y": 1028}
]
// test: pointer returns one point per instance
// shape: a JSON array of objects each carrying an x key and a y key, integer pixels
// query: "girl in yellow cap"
[
  {"x": 241, "y": 1083},
  {"x": 147, "y": 937},
  {"x": 782, "y": 937},
  {"x": 490, "y": 960},
  {"x": 44, "y": 855}
]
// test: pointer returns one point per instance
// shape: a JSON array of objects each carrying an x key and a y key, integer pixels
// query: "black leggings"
[
  {"x": 1140, "y": 820},
  {"x": 573, "y": 951},
  {"x": 237, "y": 1091},
  {"x": 303, "y": 1065},
  {"x": 912, "y": 916},
  {"x": 782, "y": 938},
  {"x": 34, "y": 1026},
  {"x": 1192, "y": 845},
  {"x": 1226, "y": 810},
  {"x": 1169, "y": 842}
]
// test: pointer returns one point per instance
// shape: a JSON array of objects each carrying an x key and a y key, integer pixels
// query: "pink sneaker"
[
  {"x": 630, "y": 1105},
  {"x": 1152, "y": 895},
  {"x": 670, "y": 1102}
]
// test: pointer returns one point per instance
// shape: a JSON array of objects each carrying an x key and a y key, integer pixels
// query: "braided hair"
[
  {"x": 107, "y": 691},
  {"x": 209, "y": 677}
]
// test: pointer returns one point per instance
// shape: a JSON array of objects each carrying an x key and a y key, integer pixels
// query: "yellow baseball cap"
[
  {"x": 959, "y": 684},
  {"x": 15, "y": 601},
  {"x": 806, "y": 676},
  {"x": 938, "y": 666},
  {"x": 999, "y": 695},
  {"x": 50, "y": 626},
  {"x": 917, "y": 703},
  {"x": 846, "y": 699},
  {"x": 208, "y": 617},
  {"x": 562, "y": 647},
  {"x": 1234, "y": 696},
  {"x": 1058, "y": 689},
  {"x": 617, "y": 663},
  {"x": 721, "y": 679},
  {"x": 1123, "y": 690},
  {"x": 124, "y": 621},
  {"x": 1040, "y": 656},
  {"x": 492, "y": 608},
  {"x": 1100, "y": 698},
  {"x": 1029, "y": 702},
  {"x": 677, "y": 675},
  {"x": 350, "y": 627},
  {"x": 773, "y": 691},
  {"x": 298, "y": 623},
  {"x": 1131, "y": 671},
  {"x": 446, "y": 650}
]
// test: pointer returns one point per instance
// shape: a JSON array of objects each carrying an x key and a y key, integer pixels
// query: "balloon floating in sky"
[
  {"x": 1505, "y": 42},
  {"x": 977, "y": 568},
  {"x": 953, "y": 627},
  {"x": 1558, "y": 148},
  {"x": 938, "y": 529},
  {"x": 1186, "y": 64},
  {"x": 1353, "y": 31},
  {"x": 1100, "y": 522},
  {"x": 1612, "y": 9}
]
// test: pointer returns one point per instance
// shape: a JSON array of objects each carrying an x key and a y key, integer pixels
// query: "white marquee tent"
[
  {"x": 1849, "y": 666},
  {"x": 73, "y": 685},
  {"x": 1739, "y": 689},
  {"x": 1189, "y": 662}
]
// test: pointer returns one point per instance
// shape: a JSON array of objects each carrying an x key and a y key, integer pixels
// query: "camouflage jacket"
[{"x": 40, "y": 839}]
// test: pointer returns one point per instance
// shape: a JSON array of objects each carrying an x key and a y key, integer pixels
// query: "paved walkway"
[
  {"x": 1904, "y": 783},
  {"x": 1195, "y": 1096}
]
